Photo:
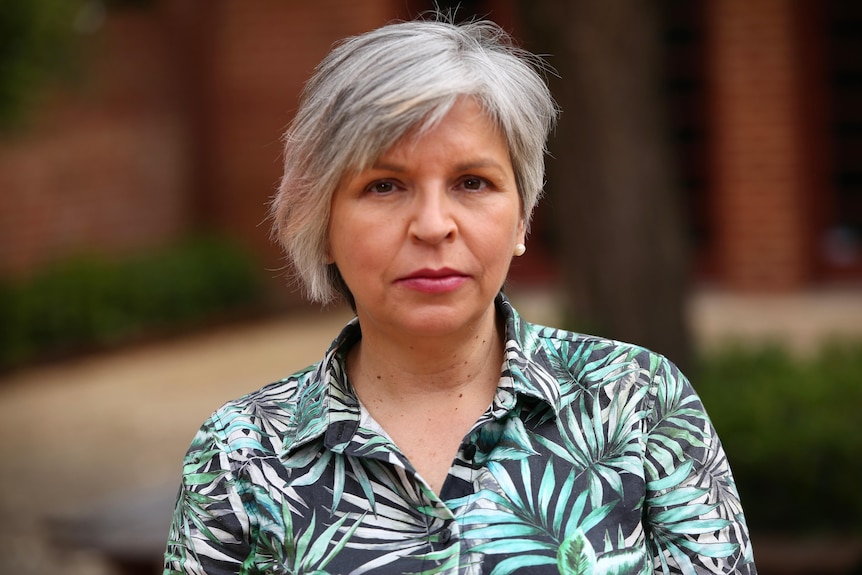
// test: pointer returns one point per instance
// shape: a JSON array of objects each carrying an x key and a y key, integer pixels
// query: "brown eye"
[
  {"x": 381, "y": 187},
  {"x": 474, "y": 183}
]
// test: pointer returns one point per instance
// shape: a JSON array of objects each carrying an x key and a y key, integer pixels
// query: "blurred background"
[{"x": 704, "y": 199}]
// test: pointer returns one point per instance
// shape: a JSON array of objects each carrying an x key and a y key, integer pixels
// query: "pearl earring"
[{"x": 520, "y": 249}]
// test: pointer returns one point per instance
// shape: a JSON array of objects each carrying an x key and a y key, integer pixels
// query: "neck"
[
  {"x": 420, "y": 388},
  {"x": 395, "y": 369}
]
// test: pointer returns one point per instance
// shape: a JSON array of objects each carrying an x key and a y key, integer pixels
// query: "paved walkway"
[
  {"x": 801, "y": 321},
  {"x": 81, "y": 431}
]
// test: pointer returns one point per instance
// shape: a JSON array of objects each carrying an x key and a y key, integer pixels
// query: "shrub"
[
  {"x": 37, "y": 44},
  {"x": 91, "y": 302},
  {"x": 792, "y": 432}
]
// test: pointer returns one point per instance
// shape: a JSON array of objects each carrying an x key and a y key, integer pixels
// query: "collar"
[
  {"x": 526, "y": 363},
  {"x": 327, "y": 406}
]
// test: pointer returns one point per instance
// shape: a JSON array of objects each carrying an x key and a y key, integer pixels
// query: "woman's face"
[{"x": 424, "y": 237}]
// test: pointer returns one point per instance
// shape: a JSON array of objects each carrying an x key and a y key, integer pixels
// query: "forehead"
[{"x": 465, "y": 128}]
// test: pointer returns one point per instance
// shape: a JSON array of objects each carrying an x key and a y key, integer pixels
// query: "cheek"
[
  {"x": 506, "y": 227},
  {"x": 346, "y": 233},
  {"x": 496, "y": 244},
  {"x": 359, "y": 246}
]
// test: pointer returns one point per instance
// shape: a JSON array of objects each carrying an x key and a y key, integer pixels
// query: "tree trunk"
[{"x": 612, "y": 182}]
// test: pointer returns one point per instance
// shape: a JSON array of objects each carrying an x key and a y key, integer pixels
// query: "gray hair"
[{"x": 374, "y": 88}]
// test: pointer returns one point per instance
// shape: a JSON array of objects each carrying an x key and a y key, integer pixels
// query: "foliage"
[
  {"x": 792, "y": 432},
  {"x": 37, "y": 40},
  {"x": 92, "y": 302}
]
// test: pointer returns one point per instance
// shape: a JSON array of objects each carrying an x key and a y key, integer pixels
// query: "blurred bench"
[{"x": 129, "y": 530}]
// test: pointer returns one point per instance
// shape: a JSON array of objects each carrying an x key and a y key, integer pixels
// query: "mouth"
[{"x": 434, "y": 280}]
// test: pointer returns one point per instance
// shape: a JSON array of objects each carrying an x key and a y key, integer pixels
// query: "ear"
[{"x": 522, "y": 231}]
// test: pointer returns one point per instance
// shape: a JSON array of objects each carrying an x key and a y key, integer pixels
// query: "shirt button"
[{"x": 444, "y": 536}]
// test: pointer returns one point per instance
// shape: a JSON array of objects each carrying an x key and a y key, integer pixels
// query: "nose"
[{"x": 432, "y": 219}]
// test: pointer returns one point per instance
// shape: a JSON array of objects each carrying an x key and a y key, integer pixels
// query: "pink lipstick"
[{"x": 433, "y": 281}]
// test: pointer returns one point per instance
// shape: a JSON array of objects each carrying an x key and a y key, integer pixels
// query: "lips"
[{"x": 427, "y": 280}]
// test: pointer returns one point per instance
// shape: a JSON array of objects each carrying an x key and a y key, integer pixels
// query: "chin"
[{"x": 437, "y": 321}]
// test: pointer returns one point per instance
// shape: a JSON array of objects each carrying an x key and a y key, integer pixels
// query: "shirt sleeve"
[
  {"x": 209, "y": 532},
  {"x": 692, "y": 512}
]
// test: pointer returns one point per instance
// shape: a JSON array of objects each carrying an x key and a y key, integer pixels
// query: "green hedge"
[
  {"x": 792, "y": 431},
  {"x": 86, "y": 303}
]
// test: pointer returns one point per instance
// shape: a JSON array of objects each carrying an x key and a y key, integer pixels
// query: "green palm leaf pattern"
[
  {"x": 530, "y": 523},
  {"x": 305, "y": 552},
  {"x": 595, "y": 457}
]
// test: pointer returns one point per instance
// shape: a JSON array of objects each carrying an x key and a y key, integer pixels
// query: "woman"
[{"x": 441, "y": 433}]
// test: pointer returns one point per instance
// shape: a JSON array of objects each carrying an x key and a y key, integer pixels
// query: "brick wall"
[
  {"x": 176, "y": 123},
  {"x": 759, "y": 169},
  {"x": 178, "y": 120},
  {"x": 101, "y": 166}
]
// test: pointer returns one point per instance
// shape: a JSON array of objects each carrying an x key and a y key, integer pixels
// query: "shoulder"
[
  {"x": 602, "y": 367},
  {"x": 563, "y": 365},
  {"x": 566, "y": 350},
  {"x": 282, "y": 392},
  {"x": 592, "y": 357},
  {"x": 259, "y": 421},
  {"x": 286, "y": 412}
]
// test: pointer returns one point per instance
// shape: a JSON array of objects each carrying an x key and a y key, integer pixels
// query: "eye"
[
  {"x": 474, "y": 183},
  {"x": 381, "y": 187}
]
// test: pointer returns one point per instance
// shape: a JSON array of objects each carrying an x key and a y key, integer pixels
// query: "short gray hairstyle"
[{"x": 372, "y": 90}]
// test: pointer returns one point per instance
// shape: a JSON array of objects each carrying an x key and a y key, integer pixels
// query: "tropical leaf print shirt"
[{"x": 595, "y": 457}]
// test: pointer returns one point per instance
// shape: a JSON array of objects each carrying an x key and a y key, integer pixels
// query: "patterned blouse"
[{"x": 595, "y": 457}]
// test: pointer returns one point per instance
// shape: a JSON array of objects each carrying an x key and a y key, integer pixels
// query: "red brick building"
[
  {"x": 176, "y": 125},
  {"x": 784, "y": 94}
]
